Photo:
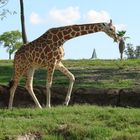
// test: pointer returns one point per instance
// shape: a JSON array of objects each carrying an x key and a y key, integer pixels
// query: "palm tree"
[
  {"x": 122, "y": 42},
  {"x": 24, "y": 36},
  {"x": 3, "y": 13}
]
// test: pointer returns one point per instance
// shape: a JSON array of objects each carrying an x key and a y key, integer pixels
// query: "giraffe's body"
[{"x": 47, "y": 51}]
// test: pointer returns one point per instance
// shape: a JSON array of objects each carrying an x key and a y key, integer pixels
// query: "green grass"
[
  {"x": 88, "y": 73},
  {"x": 77, "y": 122},
  {"x": 72, "y": 123}
]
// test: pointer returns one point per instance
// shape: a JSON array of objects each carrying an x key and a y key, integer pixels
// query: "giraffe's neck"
[
  {"x": 79, "y": 30},
  {"x": 68, "y": 32},
  {"x": 58, "y": 36}
]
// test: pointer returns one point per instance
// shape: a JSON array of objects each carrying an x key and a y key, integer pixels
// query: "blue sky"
[{"x": 44, "y": 14}]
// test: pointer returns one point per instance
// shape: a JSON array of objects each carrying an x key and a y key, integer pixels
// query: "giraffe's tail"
[{"x": 11, "y": 83}]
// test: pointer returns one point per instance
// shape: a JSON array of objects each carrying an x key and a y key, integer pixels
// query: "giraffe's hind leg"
[
  {"x": 29, "y": 86},
  {"x": 18, "y": 72},
  {"x": 65, "y": 71},
  {"x": 13, "y": 87}
]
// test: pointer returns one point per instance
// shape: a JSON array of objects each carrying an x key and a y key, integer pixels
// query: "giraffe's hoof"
[
  {"x": 65, "y": 104},
  {"x": 39, "y": 106},
  {"x": 48, "y": 106},
  {"x": 10, "y": 108}
]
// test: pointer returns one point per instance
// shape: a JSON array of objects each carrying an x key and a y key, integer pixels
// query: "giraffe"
[{"x": 47, "y": 51}]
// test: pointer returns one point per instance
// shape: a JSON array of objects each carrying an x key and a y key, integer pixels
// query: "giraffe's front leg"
[
  {"x": 65, "y": 71},
  {"x": 72, "y": 80},
  {"x": 48, "y": 104},
  {"x": 29, "y": 86},
  {"x": 49, "y": 84}
]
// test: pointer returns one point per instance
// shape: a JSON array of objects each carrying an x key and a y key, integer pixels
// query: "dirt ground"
[{"x": 101, "y": 97}]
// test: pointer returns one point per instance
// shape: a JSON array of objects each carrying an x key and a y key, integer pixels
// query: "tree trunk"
[
  {"x": 10, "y": 56},
  {"x": 121, "y": 56},
  {"x": 121, "y": 48},
  {"x": 24, "y": 37}
]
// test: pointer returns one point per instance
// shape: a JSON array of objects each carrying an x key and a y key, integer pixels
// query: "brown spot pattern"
[{"x": 47, "y": 48}]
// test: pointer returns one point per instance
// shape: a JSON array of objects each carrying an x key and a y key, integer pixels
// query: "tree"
[
  {"x": 11, "y": 40},
  {"x": 137, "y": 52},
  {"x": 3, "y": 11},
  {"x": 24, "y": 36},
  {"x": 122, "y": 42},
  {"x": 121, "y": 47},
  {"x": 130, "y": 52}
]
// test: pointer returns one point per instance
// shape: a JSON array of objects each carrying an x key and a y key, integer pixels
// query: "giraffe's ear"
[{"x": 110, "y": 23}]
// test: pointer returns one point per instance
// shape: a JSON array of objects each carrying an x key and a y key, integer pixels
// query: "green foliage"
[
  {"x": 72, "y": 123},
  {"x": 88, "y": 74},
  {"x": 131, "y": 52},
  {"x": 3, "y": 3},
  {"x": 11, "y": 40},
  {"x": 122, "y": 42},
  {"x": 121, "y": 33},
  {"x": 137, "y": 52},
  {"x": 77, "y": 122},
  {"x": 3, "y": 11}
]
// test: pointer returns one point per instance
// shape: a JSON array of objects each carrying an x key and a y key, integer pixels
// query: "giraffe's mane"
[{"x": 60, "y": 27}]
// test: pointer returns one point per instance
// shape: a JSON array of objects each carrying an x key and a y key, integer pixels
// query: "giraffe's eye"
[{"x": 111, "y": 29}]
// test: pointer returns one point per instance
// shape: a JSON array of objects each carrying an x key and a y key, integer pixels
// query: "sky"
[{"x": 41, "y": 15}]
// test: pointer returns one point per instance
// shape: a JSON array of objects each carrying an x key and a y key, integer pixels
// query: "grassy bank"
[
  {"x": 77, "y": 122},
  {"x": 88, "y": 73},
  {"x": 72, "y": 123}
]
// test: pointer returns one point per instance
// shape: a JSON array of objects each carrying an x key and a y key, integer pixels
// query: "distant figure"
[{"x": 94, "y": 56}]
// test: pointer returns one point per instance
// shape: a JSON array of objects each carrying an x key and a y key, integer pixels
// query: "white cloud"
[
  {"x": 35, "y": 18},
  {"x": 94, "y": 16},
  {"x": 71, "y": 15},
  {"x": 65, "y": 16},
  {"x": 120, "y": 27},
  {"x": 102, "y": 16}
]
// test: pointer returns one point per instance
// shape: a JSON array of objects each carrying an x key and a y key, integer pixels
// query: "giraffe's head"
[{"x": 110, "y": 30}]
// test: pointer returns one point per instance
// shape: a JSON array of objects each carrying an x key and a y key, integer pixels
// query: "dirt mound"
[{"x": 103, "y": 97}]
